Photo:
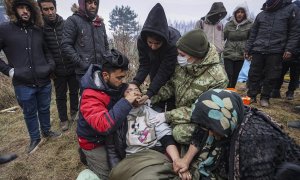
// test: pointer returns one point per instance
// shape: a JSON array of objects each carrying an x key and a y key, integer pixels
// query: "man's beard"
[
  {"x": 23, "y": 21},
  {"x": 113, "y": 86}
]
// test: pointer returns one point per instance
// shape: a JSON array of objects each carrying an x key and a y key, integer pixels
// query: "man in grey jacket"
[
  {"x": 273, "y": 38},
  {"x": 84, "y": 37}
]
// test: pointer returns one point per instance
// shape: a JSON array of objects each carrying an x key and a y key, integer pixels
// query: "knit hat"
[
  {"x": 22, "y": 2},
  {"x": 194, "y": 43}
]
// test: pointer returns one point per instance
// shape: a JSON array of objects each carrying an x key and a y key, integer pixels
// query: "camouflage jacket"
[{"x": 188, "y": 83}]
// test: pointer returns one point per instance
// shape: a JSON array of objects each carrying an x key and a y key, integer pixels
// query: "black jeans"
[
  {"x": 62, "y": 84},
  {"x": 232, "y": 69},
  {"x": 265, "y": 70},
  {"x": 294, "y": 68}
]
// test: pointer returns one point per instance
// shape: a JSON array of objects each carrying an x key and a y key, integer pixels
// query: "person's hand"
[
  {"x": 11, "y": 72},
  {"x": 180, "y": 165},
  {"x": 185, "y": 175},
  {"x": 143, "y": 99},
  {"x": 247, "y": 56},
  {"x": 286, "y": 55},
  {"x": 132, "y": 97},
  {"x": 52, "y": 76},
  {"x": 159, "y": 118}
]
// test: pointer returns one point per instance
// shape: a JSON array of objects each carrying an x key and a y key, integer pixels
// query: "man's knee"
[{"x": 97, "y": 162}]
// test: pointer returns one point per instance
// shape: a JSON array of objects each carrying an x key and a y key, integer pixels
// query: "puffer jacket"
[
  {"x": 188, "y": 83},
  {"x": 275, "y": 32},
  {"x": 25, "y": 49},
  {"x": 236, "y": 35},
  {"x": 53, "y": 37},
  {"x": 102, "y": 110},
  {"x": 84, "y": 39},
  {"x": 160, "y": 64}
]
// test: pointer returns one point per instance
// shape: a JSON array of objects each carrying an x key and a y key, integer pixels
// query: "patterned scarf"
[{"x": 219, "y": 111}]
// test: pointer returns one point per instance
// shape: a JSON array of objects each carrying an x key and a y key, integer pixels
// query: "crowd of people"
[{"x": 195, "y": 128}]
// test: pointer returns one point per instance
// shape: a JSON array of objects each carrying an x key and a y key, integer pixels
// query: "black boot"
[
  {"x": 275, "y": 93},
  {"x": 7, "y": 158},
  {"x": 289, "y": 95}
]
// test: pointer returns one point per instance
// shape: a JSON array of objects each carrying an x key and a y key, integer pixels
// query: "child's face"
[{"x": 133, "y": 88}]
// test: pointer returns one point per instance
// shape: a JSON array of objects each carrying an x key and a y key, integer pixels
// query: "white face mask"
[{"x": 183, "y": 61}]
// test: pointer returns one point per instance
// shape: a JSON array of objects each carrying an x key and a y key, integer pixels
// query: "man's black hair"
[
  {"x": 41, "y": 1},
  {"x": 154, "y": 36},
  {"x": 114, "y": 61}
]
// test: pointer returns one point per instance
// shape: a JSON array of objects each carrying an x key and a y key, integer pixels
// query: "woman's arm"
[{"x": 182, "y": 165}]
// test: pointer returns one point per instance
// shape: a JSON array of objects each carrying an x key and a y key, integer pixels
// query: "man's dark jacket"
[
  {"x": 84, "y": 40},
  {"x": 159, "y": 64},
  {"x": 27, "y": 53},
  {"x": 275, "y": 31},
  {"x": 53, "y": 36}
]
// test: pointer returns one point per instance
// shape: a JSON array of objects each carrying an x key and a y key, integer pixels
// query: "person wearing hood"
[
  {"x": 29, "y": 65},
  {"x": 65, "y": 77},
  {"x": 199, "y": 70},
  {"x": 293, "y": 66},
  {"x": 212, "y": 26},
  {"x": 273, "y": 38},
  {"x": 84, "y": 39},
  {"x": 236, "y": 33},
  {"x": 157, "y": 53},
  {"x": 103, "y": 109},
  {"x": 233, "y": 141}
]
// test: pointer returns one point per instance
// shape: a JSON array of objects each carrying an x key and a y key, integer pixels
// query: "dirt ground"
[{"x": 58, "y": 159}]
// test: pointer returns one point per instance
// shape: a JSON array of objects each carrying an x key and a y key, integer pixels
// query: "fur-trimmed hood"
[{"x": 38, "y": 21}]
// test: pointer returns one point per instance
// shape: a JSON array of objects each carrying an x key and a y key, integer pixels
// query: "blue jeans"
[{"x": 35, "y": 102}]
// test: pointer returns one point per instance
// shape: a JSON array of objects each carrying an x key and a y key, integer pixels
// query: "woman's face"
[
  {"x": 240, "y": 15},
  {"x": 190, "y": 59}
]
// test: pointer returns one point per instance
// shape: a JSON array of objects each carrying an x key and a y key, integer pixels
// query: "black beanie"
[
  {"x": 194, "y": 43},
  {"x": 22, "y": 2}
]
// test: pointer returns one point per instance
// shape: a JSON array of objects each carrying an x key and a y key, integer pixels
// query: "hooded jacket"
[
  {"x": 53, "y": 37},
  {"x": 275, "y": 32},
  {"x": 25, "y": 48},
  {"x": 214, "y": 30},
  {"x": 188, "y": 83},
  {"x": 84, "y": 39},
  {"x": 236, "y": 35},
  {"x": 102, "y": 110},
  {"x": 159, "y": 64}
]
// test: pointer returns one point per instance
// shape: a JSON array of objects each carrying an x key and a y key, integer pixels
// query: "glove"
[
  {"x": 11, "y": 72},
  {"x": 159, "y": 119}
]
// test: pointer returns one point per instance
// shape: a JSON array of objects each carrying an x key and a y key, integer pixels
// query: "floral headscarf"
[{"x": 219, "y": 111}]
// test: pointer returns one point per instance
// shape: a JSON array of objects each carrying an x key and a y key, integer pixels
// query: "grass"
[{"x": 58, "y": 159}]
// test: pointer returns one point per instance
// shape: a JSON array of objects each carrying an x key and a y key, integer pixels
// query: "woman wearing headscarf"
[
  {"x": 234, "y": 142},
  {"x": 236, "y": 33}
]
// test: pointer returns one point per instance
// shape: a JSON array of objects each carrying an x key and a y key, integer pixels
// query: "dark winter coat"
[
  {"x": 275, "y": 32},
  {"x": 159, "y": 64},
  {"x": 53, "y": 37},
  {"x": 102, "y": 110},
  {"x": 25, "y": 50},
  {"x": 236, "y": 35},
  {"x": 84, "y": 40},
  {"x": 298, "y": 48}
]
